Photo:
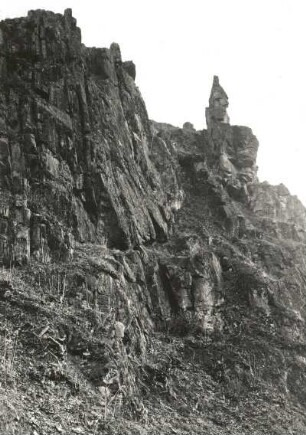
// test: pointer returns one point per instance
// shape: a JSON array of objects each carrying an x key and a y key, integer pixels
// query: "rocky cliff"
[{"x": 150, "y": 283}]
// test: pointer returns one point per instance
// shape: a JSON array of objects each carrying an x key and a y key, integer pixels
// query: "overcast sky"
[{"x": 256, "y": 47}]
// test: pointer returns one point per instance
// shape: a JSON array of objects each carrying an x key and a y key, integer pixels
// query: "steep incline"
[
  {"x": 149, "y": 283},
  {"x": 75, "y": 139}
]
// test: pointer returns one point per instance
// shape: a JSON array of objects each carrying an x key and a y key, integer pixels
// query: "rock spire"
[{"x": 218, "y": 104}]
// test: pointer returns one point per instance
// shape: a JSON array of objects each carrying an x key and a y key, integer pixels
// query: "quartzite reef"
[{"x": 150, "y": 284}]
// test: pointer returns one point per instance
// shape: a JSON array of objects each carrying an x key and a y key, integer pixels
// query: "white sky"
[{"x": 256, "y": 47}]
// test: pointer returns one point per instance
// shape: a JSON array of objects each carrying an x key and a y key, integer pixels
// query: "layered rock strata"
[
  {"x": 146, "y": 272},
  {"x": 75, "y": 141}
]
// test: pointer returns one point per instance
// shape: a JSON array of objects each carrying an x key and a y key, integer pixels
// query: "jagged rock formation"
[
  {"x": 75, "y": 140},
  {"x": 150, "y": 283},
  {"x": 218, "y": 104},
  {"x": 233, "y": 148}
]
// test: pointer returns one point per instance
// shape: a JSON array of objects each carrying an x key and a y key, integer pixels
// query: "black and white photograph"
[{"x": 152, "y": 217}]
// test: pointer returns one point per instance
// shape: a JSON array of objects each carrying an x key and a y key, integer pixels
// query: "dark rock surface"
[
  {"x": 233, "y": 148},
  {"x": 149, "y": 282},
  {"x": 75, "y": 140}
]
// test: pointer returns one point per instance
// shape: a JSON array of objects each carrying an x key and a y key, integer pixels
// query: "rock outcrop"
[
  {"x": 75, "y": 139},
  {"x": 233, "y": 148},
  {"x": 218, "y": 104},
  {"x": 150, "y": 283}
]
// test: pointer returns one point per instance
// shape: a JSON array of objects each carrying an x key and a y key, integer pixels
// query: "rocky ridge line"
[{"x": 150, "y": 282}]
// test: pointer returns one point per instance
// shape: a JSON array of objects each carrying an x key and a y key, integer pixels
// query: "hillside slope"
[{"x": 150, "y": 284}]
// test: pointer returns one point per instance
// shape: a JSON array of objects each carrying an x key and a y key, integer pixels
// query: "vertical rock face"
[
  {"x": 234, "y": 148},
  {"x": 282, "y": 213},
  {"x": 150, "y": 273},
  {"x": 75, "y": 140}
]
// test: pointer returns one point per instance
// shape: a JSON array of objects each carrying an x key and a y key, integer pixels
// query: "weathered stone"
[
  {"x": 115, "y": 53},
  {"x": 188, "y": 126},
  {"x": 68, "y": 126},
  {"x": 130, "y": 68},
  {"x": 235, "y": 146},
  {"x": 129, "y": 233},
  {"x": 284, "y": 214},
  {"x": 218, "y": 104},
  {"x": 101, "y": 64}
]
